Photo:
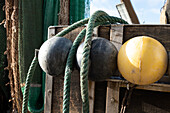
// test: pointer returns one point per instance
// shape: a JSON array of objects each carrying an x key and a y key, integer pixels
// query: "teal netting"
[
  {"x": 30, "y": 38},
  {"x": 35, "y": 16},
  {"x": 79, "y": 9},
  {"x": 50, "y": 15}
]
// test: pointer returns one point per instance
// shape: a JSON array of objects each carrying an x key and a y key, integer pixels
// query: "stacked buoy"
[
  {"x": 53, "y": 55},
  {"x": 142, "y": 60},
  {"x": 103, "y": 57}
]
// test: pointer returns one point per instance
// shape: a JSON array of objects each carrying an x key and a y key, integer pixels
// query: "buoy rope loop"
[
  {"x": 101, "y": 20},
  {"x": 98, "y": 18},
  {"x": 27, "y": 87}
]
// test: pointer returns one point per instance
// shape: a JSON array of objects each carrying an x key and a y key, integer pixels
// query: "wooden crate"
[{"x": 104, "y": 95}]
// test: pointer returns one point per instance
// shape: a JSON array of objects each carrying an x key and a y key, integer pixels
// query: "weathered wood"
[
  {"x": 101, "y": 87},
  {"x": 123, "y": 12},
  {"x": 116, "y": 36},
  {"x": 165, "y": 13},
  {"x": 91, "y": 84},
  {"x": 131, "y": 11},
  {"x": 71, "y": 35},
  {"x": 49, "y": 82},
  {"x": 91, "y": 96},
  {"x": 159, "y": 32},
  {"x": 112, "y": 100},
  {"x": 75, "y": 96},
  {"x": 168, "y": 70},
  {"x": 104, "y": 31},
  {"x": 154, "y": 87},
  {"x": 48, "y": 94},
  {"x": 100, "y": 97}
]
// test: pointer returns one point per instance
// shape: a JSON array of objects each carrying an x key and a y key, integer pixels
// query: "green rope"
[
  {"x": 71, "y": 56},
  {"x": 98, "y": 18},
  {"x": 27, "y": 87},
  {"x": 85, "y": 61},
  {"x": 69, "y": 68},
  {"x": 86, "y": 53},
  {"x": 72, "y": 27}
]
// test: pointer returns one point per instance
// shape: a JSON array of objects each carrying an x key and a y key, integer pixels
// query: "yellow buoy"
[{"x": 142, "y": 60}]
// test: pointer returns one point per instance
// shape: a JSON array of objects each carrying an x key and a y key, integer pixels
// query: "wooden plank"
[
  {"x": 75, "y": 96},
  {"x": 71, "y": 35},
  {"x": 104, "y": 31},
  {"x": 159, "y": 32},
  {"x": 91, "y": 96},
  {"x": 153, "y": 87},
  {"x": 131, "y": 11},
  {"x": 100, "y": 96},
  {"x": 48, "y": 94},
  {"x": 116, "y": 36},
  {"x": 123, "y": 12},
  {"x": 168, "y": 70},
  {"x": 112, "y": 100},
  {"x": 101, "y": 86},
  {"x": 115, "y": 32},
  {"x": 91, "y": 84},
  {"x": 49, "y": 81}
]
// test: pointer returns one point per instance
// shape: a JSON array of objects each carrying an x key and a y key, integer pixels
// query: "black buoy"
[
  {"x": 53, "y": 55},
  {"x": 103, "y": 57}
]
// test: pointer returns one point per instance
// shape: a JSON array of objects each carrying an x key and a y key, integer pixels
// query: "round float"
[
  {"x": 142, "y": 60},
  {"x": 53, "y": 55},
  {"x": 103, "y": 56}
]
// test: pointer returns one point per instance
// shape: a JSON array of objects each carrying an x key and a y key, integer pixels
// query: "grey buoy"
[
  {"x": 103, "y": 57},
  {"x": 53, "y": 55}
]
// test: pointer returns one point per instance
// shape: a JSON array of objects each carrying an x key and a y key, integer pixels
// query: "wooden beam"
[
  {"x": 91, "y": 96},
  {"x": 112, "y": 99},
  {"x": 131, "y": 11},
  {"x": 116, "y": 36},
  {"x": 152, "y": 87},
  {"x": 49, "y": 82}
]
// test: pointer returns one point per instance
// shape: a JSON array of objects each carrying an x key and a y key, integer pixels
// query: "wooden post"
[
  {"x": 116, "y": 36},
  {"x": 92, "y": 84},
  {"x": 49, "y": 81},
  {"x": 112, "y": 97},
  {"x": 91, "y": 96}
]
